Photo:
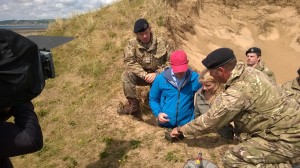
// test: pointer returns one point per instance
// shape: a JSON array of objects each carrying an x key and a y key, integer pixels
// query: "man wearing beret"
[
  {"x": 146, "y": 55},
  {"x": 254, "y": 60},
  {"x": 267, "y": 120}
]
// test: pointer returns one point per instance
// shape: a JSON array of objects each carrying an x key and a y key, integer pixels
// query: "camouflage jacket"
[
  {"x": 146, "y": 58},
  {"x": 293, "y": 89},
  {"x": 257, "y": 106},
  {"x": 262, "y": 67}
]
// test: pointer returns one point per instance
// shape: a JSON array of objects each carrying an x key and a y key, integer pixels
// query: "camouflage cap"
[
  {"x": 140, "y": 25},
  {"x": 218, "y": 58}
]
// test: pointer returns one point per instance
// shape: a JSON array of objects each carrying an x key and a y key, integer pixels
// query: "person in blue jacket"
[{"x": 172, "y": 92}]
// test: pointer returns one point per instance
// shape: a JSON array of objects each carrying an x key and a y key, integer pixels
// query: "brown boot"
[{"x": 131, "y": 108}]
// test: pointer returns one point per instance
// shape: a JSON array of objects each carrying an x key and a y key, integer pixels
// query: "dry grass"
[{"x": 265, "y": 27}]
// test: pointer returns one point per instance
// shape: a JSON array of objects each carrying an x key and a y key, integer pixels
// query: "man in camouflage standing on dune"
[
  {"x": 145, "y": 56},
  {"x": 253, "y": 55},
  {"x": 267, "y": 119}
]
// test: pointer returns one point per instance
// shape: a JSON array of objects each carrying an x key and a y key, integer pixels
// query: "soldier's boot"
[{"x": 131, "y": 108}]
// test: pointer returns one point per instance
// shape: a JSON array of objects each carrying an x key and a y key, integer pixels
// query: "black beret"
[
  {"x": 254, "y": 50},
  {"x": 140, "y": 25},
  {"x": 218, "y": 58}
]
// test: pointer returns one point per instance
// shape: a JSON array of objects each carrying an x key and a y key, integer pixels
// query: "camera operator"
[
  {"x": 20, "y": 82},
  {"x": 22, "y": 137}
]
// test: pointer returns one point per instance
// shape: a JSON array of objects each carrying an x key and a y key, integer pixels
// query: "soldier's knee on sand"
[
  {"x": 229, "y": 159},
  {"x": 238, "y": 157}
]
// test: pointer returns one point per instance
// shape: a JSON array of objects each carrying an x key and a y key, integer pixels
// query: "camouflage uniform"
[
  {"x": 267, "y": 119},
  {"x": 293, "y": 89},
  {"x": 262, "y": 67},
  {"x": 142, "y": 59}
]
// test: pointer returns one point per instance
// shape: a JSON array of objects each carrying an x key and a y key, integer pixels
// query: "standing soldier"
[
  {"x": 267, "y": 119},
  {"x": 254, "y": 60},
  {"x": 146, "y": 55}
]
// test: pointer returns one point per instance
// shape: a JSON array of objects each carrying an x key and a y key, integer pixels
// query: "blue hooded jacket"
[{"x": 177, "y": 103}]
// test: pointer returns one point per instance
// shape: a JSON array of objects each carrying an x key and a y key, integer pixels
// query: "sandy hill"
[
  {"x": 77, "y": 109},
  {"x": 202, "y": 26}
]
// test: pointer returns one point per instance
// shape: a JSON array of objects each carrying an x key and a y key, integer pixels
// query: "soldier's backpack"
[{"x": 22, "y": 75}]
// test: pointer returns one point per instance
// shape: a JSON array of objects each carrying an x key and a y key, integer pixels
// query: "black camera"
[
  {"x": 25, "y": 64},
  {"x": 47, "y": 63},
  {"x": 45, "y": 43}
]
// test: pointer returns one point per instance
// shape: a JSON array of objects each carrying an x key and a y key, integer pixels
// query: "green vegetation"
[
  {"x": 135, "y": 144},
  {"x": 171, "y": 156}
]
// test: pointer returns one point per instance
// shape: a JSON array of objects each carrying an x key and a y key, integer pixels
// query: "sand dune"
[{"x": 274, "y": 29}]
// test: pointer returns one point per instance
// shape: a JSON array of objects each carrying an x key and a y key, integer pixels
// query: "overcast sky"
[{"x": 46, "y": 9}]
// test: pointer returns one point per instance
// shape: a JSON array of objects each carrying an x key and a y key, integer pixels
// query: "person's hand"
[
  {"x": 163, "y": 118},
  {"x": 149, "y": 78},
  {"x": 175, "y": 132}
]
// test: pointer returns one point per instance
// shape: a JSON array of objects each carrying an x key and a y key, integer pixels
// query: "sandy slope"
[{"x": 274, "y": 29}]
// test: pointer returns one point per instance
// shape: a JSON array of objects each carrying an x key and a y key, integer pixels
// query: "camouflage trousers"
[
  {"x": 259, "y": 153},
  {"x": 130, "y": 81}
]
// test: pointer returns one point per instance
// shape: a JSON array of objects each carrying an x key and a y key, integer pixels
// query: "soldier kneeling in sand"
[{"x": 145, "y": 56}]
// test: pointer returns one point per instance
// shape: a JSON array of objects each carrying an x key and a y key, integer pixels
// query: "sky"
[{"x": 47, "y": 9}]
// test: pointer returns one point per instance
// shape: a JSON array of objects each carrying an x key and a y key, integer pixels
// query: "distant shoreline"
[
  {"x": 15, "y": 27},
  {"x": 26, "y": 30}
]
